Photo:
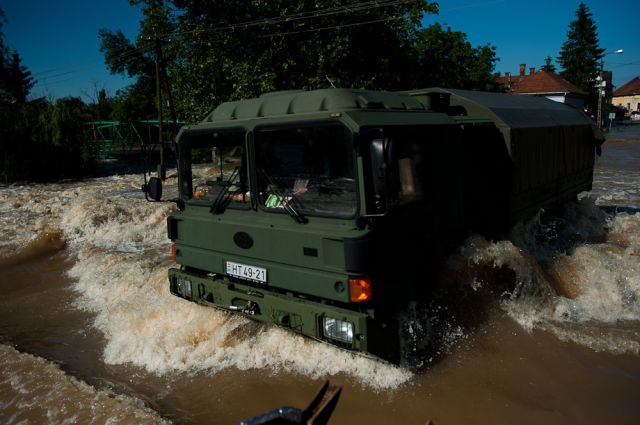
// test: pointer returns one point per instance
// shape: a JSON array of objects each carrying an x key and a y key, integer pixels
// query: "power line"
[
  {"x": 125, "y": 52},
  {"x": 305, "y": 15},
  {"x": 355, "y": 24},
  {"x": 59, "y": 68},
  {"x": 471, "y": 6},
  {"x": 618, "y": 65},
  {"x": 130, "y": 54},
  {"x": 318, "y": 29},
  {"x": 356, "y": 7}
]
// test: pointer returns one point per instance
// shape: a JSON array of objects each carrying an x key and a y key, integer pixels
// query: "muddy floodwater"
[{"x": 544, "y": 327}]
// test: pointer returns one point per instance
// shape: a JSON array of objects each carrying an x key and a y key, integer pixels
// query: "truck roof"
[
  {"x": 296, "y": 102},
  {"x": 512, "y": 111}
]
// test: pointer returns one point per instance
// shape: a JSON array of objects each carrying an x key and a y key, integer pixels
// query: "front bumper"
[{"x": 369, "y": 335}]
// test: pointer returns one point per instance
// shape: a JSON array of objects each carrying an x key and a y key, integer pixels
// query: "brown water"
[{"x": 90, "y": 334}]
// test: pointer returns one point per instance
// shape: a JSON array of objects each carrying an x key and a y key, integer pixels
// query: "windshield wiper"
[
  {"x": 291, "y": 205},
  {"x": 222, "y": 200}
]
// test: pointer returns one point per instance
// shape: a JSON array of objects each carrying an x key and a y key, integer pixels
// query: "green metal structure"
[
  {"x": 328, "y": 212},
  {"x": 108, "y": 139}
]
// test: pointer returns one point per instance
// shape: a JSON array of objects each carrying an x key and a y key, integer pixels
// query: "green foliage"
[
  {"x": 38, "y": 140},
  {"x": 102, "y": 107},
  {"x": 41, "y": 141},
  {"x": 15, "y": 79},
  {"x": 136, "y": 102},
  {"x": 445, "y": 58},
  {"x": 302, "y": 44},
  {"x": 580, "y": 54},
  {"x": 134, "y": 60},
  {"x": 548, "y": 64},
  {"x": 124, "y": 57},
  {"x": 217, "y": 51}
]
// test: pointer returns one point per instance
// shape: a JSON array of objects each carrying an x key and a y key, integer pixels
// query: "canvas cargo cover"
[
  {"x": 510, "y": 112},
  {"x": 549, "y": 147}
]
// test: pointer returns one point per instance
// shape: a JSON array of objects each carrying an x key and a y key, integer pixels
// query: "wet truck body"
[{"x": 328, "y": 212}]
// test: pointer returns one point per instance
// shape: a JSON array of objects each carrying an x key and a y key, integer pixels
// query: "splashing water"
[
  {"x": 575, "y": 274},
  {"x": 120, "y": 274}
]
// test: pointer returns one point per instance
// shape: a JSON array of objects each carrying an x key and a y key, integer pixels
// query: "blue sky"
[{"x": 58, "y": 40}]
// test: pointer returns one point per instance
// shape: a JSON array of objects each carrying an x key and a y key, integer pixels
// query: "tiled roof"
[
  {"x": 629, "y": 89},
  {"x": 540, "y": 82}
]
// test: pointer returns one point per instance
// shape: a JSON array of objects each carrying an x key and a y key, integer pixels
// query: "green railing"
[{"x": 108, "y": 139}]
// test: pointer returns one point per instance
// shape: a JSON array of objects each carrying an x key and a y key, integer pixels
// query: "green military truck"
[{"x": 328, "y": 212}]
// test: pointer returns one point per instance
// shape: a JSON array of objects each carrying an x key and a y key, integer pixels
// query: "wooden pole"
[{"x": 161, "y": 166}]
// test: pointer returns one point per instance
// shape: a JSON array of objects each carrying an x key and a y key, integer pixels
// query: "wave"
[
  {"x": 120, "y": 275},
  {"x": 37, "y": 391},
  {"x": 45, "y": 241},
  {"x": 574, "y": 274}
]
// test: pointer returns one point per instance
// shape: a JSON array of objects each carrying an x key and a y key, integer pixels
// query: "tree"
[
  {"x": 3, "y": 57},
  {"x": 38, "y": 140},
  {"x": 580, "y": 54},
  {"x": 15, "y": 79},
  {"x": 136, "y": 101},
  {"x": 548, "y": 65},
  {"x": 18, "y": 82},
  {"x": 134, "y": 60},
  {"x": 445, "y": 58},
  {"x": 217, "y": 51}
]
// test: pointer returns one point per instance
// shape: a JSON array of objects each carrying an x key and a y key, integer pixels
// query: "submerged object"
[
  {"x": 357, "y": 197},
  {"x": 317, "y": 412}
]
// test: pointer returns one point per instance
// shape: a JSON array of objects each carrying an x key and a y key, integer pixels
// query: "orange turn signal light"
[
  {"x": 360, "y": 290},
  {"x": 173, "y": 252}
]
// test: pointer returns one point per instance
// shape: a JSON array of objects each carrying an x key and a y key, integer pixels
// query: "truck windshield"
[
  {"x": 311, "y": 164},
  {"x": 213, "y": 168}
]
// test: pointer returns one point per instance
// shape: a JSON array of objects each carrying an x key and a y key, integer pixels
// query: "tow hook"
[{"x": 250, "y": 309}]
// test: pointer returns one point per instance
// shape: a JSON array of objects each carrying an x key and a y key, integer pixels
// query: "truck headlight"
[
  {"x": 183, "y": 287},
  {"x": 339, "y": 330}
]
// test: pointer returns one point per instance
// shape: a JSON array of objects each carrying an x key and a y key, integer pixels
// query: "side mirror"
[
  {"x": 379, "y": 150},
  {"x": 153, "y": 189}
]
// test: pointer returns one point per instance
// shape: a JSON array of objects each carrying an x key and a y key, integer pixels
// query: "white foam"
[
  {"x": 580, "y": 269},
  {"x": 121, "y": 275},
  {"x": 146, "y": 326}
]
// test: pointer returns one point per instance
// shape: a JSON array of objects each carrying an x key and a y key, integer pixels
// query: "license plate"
[{"x": 243, "y": 271}]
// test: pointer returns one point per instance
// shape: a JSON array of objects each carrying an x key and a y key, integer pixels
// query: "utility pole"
[
  {"x": 602, "y": 84},
  {"x": 161, "y": 166},
  {"x": 172, "y": 109}
]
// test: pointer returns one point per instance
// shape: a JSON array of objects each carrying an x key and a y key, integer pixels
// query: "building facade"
[{"x": 628, "y": 96}]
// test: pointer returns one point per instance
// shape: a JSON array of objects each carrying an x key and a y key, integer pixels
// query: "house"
[
  {"x": 543, "y": 83},
  {"x": 628, "y": 96}
]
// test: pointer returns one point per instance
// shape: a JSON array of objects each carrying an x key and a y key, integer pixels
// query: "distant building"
[
  {"x": 543, "y": 83},
  {"x": 628, "y": 96}
]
